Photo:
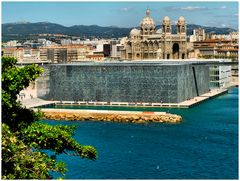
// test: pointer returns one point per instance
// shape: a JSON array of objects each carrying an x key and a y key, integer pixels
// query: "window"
[
  {"x": 168, "y": 56},
  {"x": 183, "y": 56}
]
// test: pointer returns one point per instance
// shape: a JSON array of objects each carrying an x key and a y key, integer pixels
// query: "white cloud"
[
  {"x": 187, "y": 8},
  {"x": 193, "y": 8},
  {"x": 175, "y": 21},
  {"x": 223, "y": 25},
  {"x": 223, "y": 7},
  {"x": 125, "y": 9}
]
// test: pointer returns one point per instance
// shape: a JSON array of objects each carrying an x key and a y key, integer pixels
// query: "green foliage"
[
  {"x": 24, "y": 138},
  {"x": 15, "y": 79},
  {"x": 19, "y": 161},
  {"x": 57, "y": 139}
]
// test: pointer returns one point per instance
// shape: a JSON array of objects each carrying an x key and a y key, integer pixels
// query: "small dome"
[
  {"x": 134, "y": 32},
  {"x": 166, "y": 18},
  {"x": 181, "y": 19}
]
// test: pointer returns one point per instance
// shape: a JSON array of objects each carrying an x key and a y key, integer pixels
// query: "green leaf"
[{"x": 23, "y": 136}]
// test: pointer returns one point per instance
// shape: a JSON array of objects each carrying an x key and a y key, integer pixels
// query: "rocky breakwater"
[{"x": 113, "y": 116}]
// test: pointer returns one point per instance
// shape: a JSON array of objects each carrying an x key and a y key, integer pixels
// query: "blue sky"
[{"x": 122, "y": 14}]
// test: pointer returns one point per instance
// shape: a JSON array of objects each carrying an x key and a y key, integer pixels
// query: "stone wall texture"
[
  {"x": 125, "y": 82},
  {"x": 43, "y": 84}
]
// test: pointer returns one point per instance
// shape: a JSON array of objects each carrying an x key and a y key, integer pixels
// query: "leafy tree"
[{"x": 24, "y": 137}]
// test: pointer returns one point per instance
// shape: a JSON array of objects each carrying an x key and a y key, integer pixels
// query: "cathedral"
[{"x": 149, "y": 43}]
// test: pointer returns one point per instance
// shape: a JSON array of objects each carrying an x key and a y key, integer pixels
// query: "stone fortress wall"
[{"x": 152, "y": 82}]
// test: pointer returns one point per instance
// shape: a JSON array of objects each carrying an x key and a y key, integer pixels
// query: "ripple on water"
[{"x": 203, "y": 146}]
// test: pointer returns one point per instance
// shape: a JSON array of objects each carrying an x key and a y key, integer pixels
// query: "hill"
[{"x": 26, "y": 30}]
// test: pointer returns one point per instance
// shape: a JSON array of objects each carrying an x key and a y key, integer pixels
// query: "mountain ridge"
[{"x": 26, "y": 29}]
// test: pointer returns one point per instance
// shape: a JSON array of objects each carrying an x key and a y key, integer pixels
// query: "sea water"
[{"x": 203, "y": 146}]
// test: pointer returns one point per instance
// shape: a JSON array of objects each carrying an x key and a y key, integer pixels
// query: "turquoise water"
[{"x": 203, "y": 146}]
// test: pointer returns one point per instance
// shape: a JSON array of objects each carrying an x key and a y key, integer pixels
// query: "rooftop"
[{"x": 170, "y": 62}]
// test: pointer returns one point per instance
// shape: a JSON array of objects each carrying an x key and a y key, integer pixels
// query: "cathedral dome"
[
  {"x": 148, "y": 22},
  {"x": 134, "y": 32}
]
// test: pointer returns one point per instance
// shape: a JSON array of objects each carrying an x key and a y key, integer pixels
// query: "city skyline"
[{"x": 121, "y": 14}]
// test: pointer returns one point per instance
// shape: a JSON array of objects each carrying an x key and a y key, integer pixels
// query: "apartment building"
[
  {"x": 66, "y": 53},
  {"x": 22, "y": 54}
]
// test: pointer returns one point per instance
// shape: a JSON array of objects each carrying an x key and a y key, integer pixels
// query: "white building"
[
  {"x": 12, "y": 43},
  {"x": 198, "y": 35},
  {"x": 45, "y": 42},
  {"x": 220, "y": 76},
  {"x": 116, "y": 47},
  {"x": 99, "y": 48},
  {"x": 76, "y": 41},
  {"x": 66, "y": 41},
  {"x": 223, "y": 36},
  {"x": 234, "y": 35}
]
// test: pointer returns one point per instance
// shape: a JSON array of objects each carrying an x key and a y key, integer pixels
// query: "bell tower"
[
  {"x": 166, "y": 25},
  {"x": 181, "y": 26}
]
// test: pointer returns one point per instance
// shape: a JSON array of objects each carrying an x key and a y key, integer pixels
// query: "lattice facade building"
[
  {"x": 130, "y": 81},
  {"x": 150, "y": 43}
]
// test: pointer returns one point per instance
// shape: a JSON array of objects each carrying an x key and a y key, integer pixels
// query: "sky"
[{"x": 122, "y": 14}]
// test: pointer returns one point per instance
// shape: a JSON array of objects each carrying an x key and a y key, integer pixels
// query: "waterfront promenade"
[
  {"x": 36, "y": 102},
  {"x": 196, "y": 100}
]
